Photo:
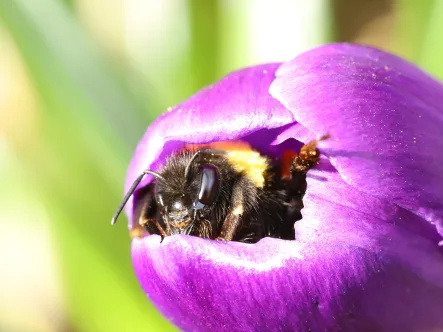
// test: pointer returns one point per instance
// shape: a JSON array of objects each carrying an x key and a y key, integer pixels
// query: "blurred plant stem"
[
  {"x": 204, "y": 47},
  {"x": 368, "y": 22},
  {"x": 418, "y": 33},
  {"x": 412, "y": 26},
  {"x": 431, "y": 57}
]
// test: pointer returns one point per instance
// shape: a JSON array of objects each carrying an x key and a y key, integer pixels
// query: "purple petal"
[
  {"x": 385, "y": 117},
  {"x": 364, "y": 259},
  {"x": 291, "y": 285}
]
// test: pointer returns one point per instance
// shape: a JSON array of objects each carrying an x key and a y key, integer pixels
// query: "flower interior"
[{"x": 249, "y": 193}]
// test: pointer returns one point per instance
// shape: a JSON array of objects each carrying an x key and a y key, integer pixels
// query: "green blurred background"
[{"x": 80, "y": 80}]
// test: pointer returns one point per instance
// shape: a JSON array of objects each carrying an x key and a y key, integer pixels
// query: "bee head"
[
  {"x": 186, "y": 191},
  {"x": 191, "y": 189}
]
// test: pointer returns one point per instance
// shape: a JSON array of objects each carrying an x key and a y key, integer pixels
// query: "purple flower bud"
[{"x": 366, "y": 254}]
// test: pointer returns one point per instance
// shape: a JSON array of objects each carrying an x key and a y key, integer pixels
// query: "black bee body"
[
  {"x": 224, "y": 192},
  {"x": 264, "y": 209}
]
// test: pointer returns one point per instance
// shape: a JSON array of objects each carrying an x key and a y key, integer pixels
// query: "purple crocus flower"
[{"x": 366, "y": 255}]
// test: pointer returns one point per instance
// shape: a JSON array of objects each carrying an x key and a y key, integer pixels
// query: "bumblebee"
[{"x": 224, "y": 191}]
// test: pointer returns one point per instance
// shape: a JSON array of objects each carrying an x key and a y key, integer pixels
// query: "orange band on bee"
[{"x": 223, "y": 145}]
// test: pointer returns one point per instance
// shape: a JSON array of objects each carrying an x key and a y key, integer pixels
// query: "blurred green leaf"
[
  {"x": 417, "y": 34},
  {"x": 232, "y": 35},
  {"x": 90, "y": 125},
  {"x": 66, "y": 65},
  {"x": 432, "y": 48},
  {"x": 205, "y": 24},
  {"x": 411, "y": 27}
]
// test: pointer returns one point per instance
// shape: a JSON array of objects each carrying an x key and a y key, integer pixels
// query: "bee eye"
[{"x": 209, "y": 185}]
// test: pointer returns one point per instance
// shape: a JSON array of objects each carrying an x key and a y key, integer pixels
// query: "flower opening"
[{"x": 366, "y": 254}]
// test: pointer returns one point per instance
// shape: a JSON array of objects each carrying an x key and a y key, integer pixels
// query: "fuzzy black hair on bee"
[{"x": 224, "y": 191}]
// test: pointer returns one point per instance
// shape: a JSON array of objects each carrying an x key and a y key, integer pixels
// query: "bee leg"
[
  {"x": 229, "y": 227},
  {"x": 137, "y": 232},
  {"x": 147, "y": 222},
  {"x": 147, "y": 226},
  {"x": 296, "y": 189},
  {"x": 307, "y": 158},
  {"x": 232, "y": 221},
  {"x": 153, "y": 221}
]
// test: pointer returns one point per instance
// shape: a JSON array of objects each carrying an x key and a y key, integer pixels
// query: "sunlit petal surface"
[{"x": 385, "y": 118}]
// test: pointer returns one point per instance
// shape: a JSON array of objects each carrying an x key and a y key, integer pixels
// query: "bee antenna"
[
  {"x": 131, "y": 191},
  {"x": 188, "y": 166}
]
